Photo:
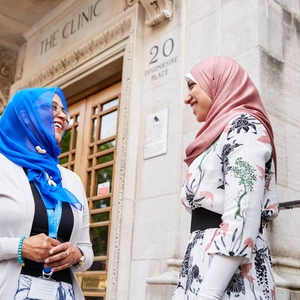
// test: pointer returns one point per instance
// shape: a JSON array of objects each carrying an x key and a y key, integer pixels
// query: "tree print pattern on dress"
[
  {"x": 242, "y": 158},
  {"x": 193, "y": 201},
  {"x": 227, "y": 149},
  {"x": 262, "y": 255},
  {"x": 236, "y": 286},
  {"x": 246, "y": 175},
  {"x": 190, "y": 273},
  {"x": 244, "y": 122}
]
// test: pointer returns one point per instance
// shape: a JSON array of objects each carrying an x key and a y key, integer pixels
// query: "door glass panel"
[
  {"x": 96, "y": 110},
  {"x": 90, "y": 163},
  {"x": 75, "y": 135},
  {"x": 106, "y": 146},
  {"x": 89, "y": 183},
  {"x": 99, "y": 237},
  {"x": 65, "y": 142},
  {"x": 92, "y": 150},
  {"x": 71, "y": 122},
  {"x": 99, "y": 265},
  {"x": 104, "y": 175},
  {"x": 105, "y": 158},
  {"x": 108, "y": 125},
  {"x": 101, "y": 217},
  {"x": 110, "y": 104},
  {"x": 64, "y": 160},
  {"x": 68, "y": 144},
  {"x": 94, "y": 130},
  {"x": 103, "y": 203}
]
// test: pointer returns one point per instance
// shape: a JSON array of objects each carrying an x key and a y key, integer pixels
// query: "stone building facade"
[{"x": 132, "y": 55}]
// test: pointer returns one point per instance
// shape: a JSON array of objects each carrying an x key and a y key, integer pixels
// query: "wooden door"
[{"x": 89, "y": 149}]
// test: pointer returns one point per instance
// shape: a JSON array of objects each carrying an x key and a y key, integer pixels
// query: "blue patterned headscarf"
[{"x": 28, "y": 122}]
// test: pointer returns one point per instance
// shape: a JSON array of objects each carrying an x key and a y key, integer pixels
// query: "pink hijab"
[{"x": 232, "y": 92}]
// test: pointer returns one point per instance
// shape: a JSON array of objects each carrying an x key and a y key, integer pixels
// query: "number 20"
[{"x": 165, "y": 51}]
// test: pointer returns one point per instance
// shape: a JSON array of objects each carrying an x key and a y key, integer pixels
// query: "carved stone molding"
[
  {"x": 130, "y": 3},
  {"x": 3, "y": 103},
  {"x": 79, "y": 56},
  {"x": 122, "y": 170},
  {"x": 158, "y": 11},
  {"x": 19, "y": 68},
  {"x": 8, "y": 60}
]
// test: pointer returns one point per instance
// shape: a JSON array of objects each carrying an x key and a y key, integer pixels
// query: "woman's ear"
[{"x": 24, "y": 116}]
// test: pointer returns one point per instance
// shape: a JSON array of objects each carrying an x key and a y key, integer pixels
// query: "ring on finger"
[{"x": 67, "y": 253}]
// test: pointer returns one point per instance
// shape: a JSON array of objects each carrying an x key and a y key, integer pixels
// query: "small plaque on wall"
[{"x": 156, "y": 134}]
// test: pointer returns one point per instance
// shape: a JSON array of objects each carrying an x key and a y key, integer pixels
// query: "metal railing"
[{"x": 289, "y": 204}]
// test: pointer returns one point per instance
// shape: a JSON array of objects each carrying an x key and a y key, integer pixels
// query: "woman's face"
[
  {"x": 60, "y": 118},
  {"x": 198, "y": 100}
]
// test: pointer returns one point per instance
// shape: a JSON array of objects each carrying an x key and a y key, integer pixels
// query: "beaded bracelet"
[{"x": 20, "y": 258}]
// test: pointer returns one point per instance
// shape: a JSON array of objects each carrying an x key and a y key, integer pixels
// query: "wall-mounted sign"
[
  {"x": 75, "y": 26},
  {"x": 156, "y": 134},
  {"x": 161, "y": 60}
]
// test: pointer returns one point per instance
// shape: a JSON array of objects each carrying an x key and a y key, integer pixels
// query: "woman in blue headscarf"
[{"x": 44, "y": 219}]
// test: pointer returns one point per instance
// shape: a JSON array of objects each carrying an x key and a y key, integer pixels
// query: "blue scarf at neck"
[{"x": 28, "y": 122}]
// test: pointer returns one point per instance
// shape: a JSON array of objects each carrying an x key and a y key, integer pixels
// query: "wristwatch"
[{"x": 81, "y": 260}]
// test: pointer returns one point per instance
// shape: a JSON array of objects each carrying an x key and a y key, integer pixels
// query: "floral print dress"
[{"x": 234, "y": 177}]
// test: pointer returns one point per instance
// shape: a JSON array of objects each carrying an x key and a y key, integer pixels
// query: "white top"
[
  {"x": 16, "y": 217},
  {"x": 234, "y": 177}
]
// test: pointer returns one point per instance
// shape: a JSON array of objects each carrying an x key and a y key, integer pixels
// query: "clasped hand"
[{"x": 55, "y": 255}]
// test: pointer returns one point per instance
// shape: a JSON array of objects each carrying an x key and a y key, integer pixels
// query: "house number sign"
[{"x": 161, "y": 60}]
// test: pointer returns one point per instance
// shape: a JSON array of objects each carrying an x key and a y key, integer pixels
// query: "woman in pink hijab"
[{"x": 229, "y": 189}]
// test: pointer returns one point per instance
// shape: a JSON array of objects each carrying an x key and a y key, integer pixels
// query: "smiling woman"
[
  {"x": 61, "y": 118},
  {"x": 43, "y": 205},
  {"x": 229, "y": 187},
  {"x": 198, "y": 100}
]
